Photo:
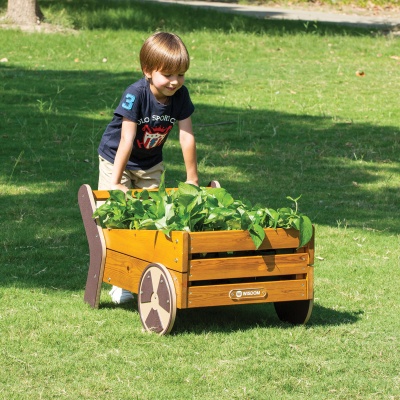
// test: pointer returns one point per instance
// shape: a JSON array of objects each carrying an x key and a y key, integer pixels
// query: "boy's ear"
[{"x": 147, "y": 74}]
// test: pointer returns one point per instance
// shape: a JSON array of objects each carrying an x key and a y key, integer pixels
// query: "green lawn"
[{"x": 280, "y": 111}]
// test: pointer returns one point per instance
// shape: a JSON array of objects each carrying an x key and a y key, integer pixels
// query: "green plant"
[{"x": 197, "y": 209}]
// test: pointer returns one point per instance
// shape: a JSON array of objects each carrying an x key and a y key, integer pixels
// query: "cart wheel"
[
  {"x": 295, "y": 312},
  {"x": 157, "y": 299}
]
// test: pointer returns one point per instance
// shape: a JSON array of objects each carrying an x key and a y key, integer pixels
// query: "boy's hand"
[{"x": 196, "y": 182}]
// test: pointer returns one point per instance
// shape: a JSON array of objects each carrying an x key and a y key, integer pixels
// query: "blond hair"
[{"x": 164, "y": 52}]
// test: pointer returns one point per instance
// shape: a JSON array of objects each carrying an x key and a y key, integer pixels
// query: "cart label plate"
[{"x": 247, "y": 294}]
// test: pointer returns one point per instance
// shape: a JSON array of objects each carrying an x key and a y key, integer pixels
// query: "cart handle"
[{"x": 102, "y": 195}]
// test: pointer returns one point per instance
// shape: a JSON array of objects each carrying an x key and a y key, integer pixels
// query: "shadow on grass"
[{"x": 244, "y": 317}]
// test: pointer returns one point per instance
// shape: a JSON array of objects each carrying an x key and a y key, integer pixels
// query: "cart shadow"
[{"x": 243, "y": 317}]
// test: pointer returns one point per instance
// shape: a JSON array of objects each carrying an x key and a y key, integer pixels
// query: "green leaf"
[
  {"x": 306, "y": 230},
  {"x": 257, "y": 234},
  {"x": 117, "y": 196},
  {"x": 224, "y": 198},
  {"x": 245, "y": 222},
  {"x": 187, "y": 188}
]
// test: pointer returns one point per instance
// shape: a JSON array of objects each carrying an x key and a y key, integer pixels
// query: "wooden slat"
[
  {"x": 151, "y": 246},
  {"x": 310, "y": 282},
  {"x": 219, "y": 295},
  {"x": 221, "y": 241},
  {"x": 246, "y": 267},
  {"x": 311, "y": 247},
  {"x": 181, "y": 288},
  {"x": 125, "y": 271},
  {"x": 102, "y": 195}
]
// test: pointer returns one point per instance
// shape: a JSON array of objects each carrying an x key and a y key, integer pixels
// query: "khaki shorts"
[{"x": 139, "y": 179}]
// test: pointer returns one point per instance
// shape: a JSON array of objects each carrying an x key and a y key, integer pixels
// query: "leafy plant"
[{"x": 195, "y": 209}]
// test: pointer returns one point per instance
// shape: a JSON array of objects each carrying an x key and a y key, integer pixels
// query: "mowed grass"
[{"x": 280, "y": 110}]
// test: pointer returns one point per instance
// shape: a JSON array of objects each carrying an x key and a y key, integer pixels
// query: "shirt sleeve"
[
  {"x": 128, "y": 106},
  {"x": 186, "y": 105}
]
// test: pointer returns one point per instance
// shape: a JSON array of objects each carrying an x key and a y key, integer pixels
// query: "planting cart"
[{"x": 197, "y": 269}]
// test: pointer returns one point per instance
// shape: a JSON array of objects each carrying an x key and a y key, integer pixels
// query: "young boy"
[{"x": 130, "y": 151}]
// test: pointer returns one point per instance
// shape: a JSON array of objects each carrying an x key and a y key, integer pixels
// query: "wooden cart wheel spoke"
[
  {"x": 164, "y": 294},
  {"x": 153, "y": 322},
  {"x": 146, "y": 288},
  {"x": 157, "y": 299}
]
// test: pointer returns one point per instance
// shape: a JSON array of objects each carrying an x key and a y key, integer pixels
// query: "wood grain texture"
[
  {"x": 151, "y": 246},
  {"x": 222, "y": 241},
  {"x": 251, "y": 266},
  {"x": 219, "y": 295}
]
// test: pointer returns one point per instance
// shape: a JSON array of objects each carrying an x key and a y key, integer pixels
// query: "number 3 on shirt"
[{"x": 129, "y": 100}]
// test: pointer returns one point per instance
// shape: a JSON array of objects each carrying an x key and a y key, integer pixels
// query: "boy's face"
[{"x": 164, "y": 85}]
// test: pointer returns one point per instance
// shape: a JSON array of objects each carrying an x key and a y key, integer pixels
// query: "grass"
[{"x": 279, "y": 111}]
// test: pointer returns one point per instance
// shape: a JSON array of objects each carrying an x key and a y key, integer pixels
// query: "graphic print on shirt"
[{"x": 153, "y": 136}]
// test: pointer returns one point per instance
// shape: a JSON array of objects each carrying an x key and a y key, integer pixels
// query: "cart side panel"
[
  {"x": 246, "y": 267},
  {"x": 151, "y": 246},
  {"x": 97, "y": 246},
  {"x": 222, "y": 241},
  {"x": 181, "y": 288},
  {"x": 247, "y": 293},
  {"x": 125, "y": 272}
]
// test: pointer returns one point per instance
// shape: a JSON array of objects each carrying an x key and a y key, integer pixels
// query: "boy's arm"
[
  {"x": 188, "y": 145},
  {"x": 128, "y": 133}
]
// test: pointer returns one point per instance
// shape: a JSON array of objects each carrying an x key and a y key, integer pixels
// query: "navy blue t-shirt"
[{"x": 154, "y": 120}]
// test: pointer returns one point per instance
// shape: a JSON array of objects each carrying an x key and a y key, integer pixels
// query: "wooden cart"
[{"x": 197, "y": 269}]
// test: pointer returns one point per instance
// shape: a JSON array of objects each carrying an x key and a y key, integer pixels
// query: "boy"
[{"x": 130, "y": 151}]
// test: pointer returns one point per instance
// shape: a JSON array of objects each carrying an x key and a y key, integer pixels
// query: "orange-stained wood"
[
  {"x": 219, "y": 295},
  {"x": 181, "y": 288},
  {"x": 221, "y": 241},
  {"x": 123, "y": 271},
  {"x": 151, "y": 246},
  {"x": 310, "y": 282},
  {"x": 245, "y": 267},
  {"x": 102, "y": 195}
]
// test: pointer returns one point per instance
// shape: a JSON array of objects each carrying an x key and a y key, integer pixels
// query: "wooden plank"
[
  {"x": 102, "y": 195},
  {"x": 151, "y": 246},
  {"x": 260, "y": 292},
  {"x": 310, "y": 282},
  {"x": 181, "y": 288},
  {"x": 246, "y": 267},
  {"x": 221, "y": 241},
  {"x": 123, "y": 271}
]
